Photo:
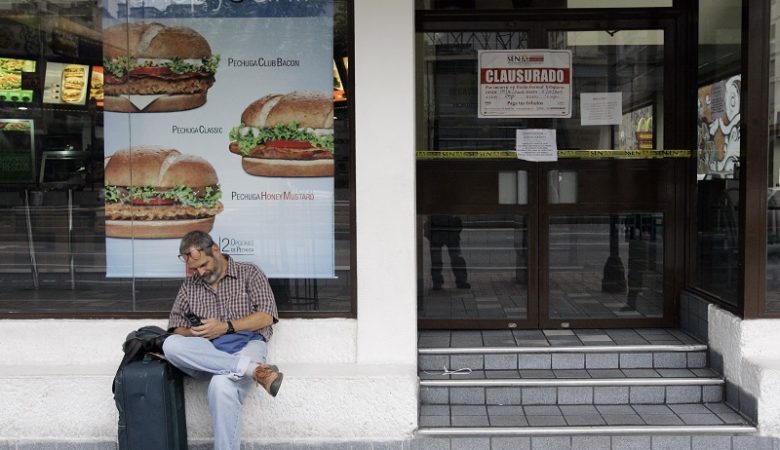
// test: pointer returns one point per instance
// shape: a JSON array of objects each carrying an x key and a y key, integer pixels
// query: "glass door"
[
  {"x": 607, "y": 203},
  {"x": 473, "y": 256},
  {"x": 589, "y": 240}
]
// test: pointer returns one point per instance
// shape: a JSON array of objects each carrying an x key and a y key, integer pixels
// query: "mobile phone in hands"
[{"x": 194, "y": 320}]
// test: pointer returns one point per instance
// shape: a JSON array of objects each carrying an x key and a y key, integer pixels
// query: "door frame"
[{"x": 679, "y": 59}]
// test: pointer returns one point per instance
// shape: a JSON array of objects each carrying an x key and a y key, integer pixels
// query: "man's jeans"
[{"x": 228, "y": 387}]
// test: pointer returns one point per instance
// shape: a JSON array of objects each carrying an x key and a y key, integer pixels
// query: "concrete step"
[
  {"x": 678, "y": 356},
  {"x": 593, "y": 427},
  {"x": 487, "y": 388},
  {"x": 560, "y": 349},
  {"x": 517, "y": 419},
  {"x": 567, "y": 389}
]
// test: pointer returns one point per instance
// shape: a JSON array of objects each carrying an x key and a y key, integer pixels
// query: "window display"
[
  {"x": 13, "y": 74},
  {"x": 65, "y": 83},
  {"x": 75, "y": 94},
  {"x": 17, "y": 150}
]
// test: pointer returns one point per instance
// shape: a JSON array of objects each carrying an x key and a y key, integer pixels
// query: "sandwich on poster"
[
  {"x": 151, "y": 67},
  {"x": 154, "y": 192},
  {"x": 286, "y": 135}
]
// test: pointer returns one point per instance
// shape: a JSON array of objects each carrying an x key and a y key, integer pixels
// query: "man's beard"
[{"x": 212, "y": 277}]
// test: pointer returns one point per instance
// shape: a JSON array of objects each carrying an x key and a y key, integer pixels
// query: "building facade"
[{"x": 588, "y": 165}]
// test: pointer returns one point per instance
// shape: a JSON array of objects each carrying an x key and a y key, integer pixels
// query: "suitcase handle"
[{"x": 149, "y": 356}]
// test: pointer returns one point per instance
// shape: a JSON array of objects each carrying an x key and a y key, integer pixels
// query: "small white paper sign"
[
  {"x": 536, "y": 144},
  {"x": 601, "y": 108},
  {"x": 717, "y": 100}
]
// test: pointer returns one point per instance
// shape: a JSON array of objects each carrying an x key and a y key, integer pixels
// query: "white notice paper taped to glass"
[
  {"x": 602, "y": 108},
  {"x": 536, "y": 144}
]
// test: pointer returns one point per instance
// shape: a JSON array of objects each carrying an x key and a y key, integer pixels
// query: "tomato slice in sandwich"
[{"x": 281, "y": 143}]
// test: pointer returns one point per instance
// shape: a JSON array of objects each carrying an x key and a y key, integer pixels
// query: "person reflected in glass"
[
  {"x": 444, "y": 230},
  {"x": 641, "y": 234}
]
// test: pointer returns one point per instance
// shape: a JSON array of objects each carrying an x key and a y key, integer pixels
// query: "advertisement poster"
[
  {"x": 524, "y": 83},
  {"x": 221, "y": 123}
]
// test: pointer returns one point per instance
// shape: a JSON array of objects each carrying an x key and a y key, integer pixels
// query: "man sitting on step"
[{"x": 223, "y": 317}]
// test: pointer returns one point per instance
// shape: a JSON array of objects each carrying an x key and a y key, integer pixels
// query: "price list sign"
[{"x": 524, "y": 83}]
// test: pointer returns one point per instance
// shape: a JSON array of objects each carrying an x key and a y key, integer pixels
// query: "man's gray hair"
[{"x": 197, "y": 239}]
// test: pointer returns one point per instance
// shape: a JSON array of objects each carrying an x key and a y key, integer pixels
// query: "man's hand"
[{"x": 211, "y": 328}]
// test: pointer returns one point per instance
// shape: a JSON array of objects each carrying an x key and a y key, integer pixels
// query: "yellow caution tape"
[
  {"x": 562, "y": 154},
  {"x": 466, "y": 154}
]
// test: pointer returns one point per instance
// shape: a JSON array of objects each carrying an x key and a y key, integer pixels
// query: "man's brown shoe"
[{"x": 269, "y": 378}]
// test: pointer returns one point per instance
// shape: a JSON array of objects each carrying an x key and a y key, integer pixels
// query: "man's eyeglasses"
[{"x": 194, "y": 254}]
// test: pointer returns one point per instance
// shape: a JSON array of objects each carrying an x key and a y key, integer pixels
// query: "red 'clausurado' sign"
[{"x": 524, "y": 76}]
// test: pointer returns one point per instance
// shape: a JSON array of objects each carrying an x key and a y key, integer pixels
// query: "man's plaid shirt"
[{"x": 242, "y": 291}]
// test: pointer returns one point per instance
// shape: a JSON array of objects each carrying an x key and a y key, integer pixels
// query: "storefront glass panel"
[
  {"x": 474, "y": 267},
  {"x": 54, "y": 137},
  {"x": 718, "y": 150},
  {"x": 629, "y": 63}
]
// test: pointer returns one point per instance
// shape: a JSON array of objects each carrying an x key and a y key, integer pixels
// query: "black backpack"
[{"x": 148, "y": 339}]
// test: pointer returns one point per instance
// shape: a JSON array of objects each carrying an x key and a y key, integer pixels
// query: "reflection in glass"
[
  {"x": 447, "y": 119},
  {"x": 636, "y": 130},
  {"x": 561, "y": 187},
  {"x": 717, "y": 210},
  {"x": 625, "y": 62},
  {"x": 473, "y": 267},
  {"x": 606, "y": 266}
]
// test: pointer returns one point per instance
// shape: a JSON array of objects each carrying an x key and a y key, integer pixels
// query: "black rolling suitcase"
[{"x": 149, "y": 395}]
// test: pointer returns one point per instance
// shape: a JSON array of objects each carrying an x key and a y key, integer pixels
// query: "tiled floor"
[
  {"x": 577, "y": 415},
  {"x": 553, "y": 338},
  {"x": 497, "y": 295},
  {"x": 497, "y": 270}
]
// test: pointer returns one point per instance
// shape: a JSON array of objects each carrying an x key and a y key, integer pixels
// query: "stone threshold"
[
  {"x": 564, "y": 349},
  {"x": 588, "y": 430}
]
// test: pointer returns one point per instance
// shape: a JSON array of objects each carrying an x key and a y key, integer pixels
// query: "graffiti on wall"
[{"x": 718, "y": 126}]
